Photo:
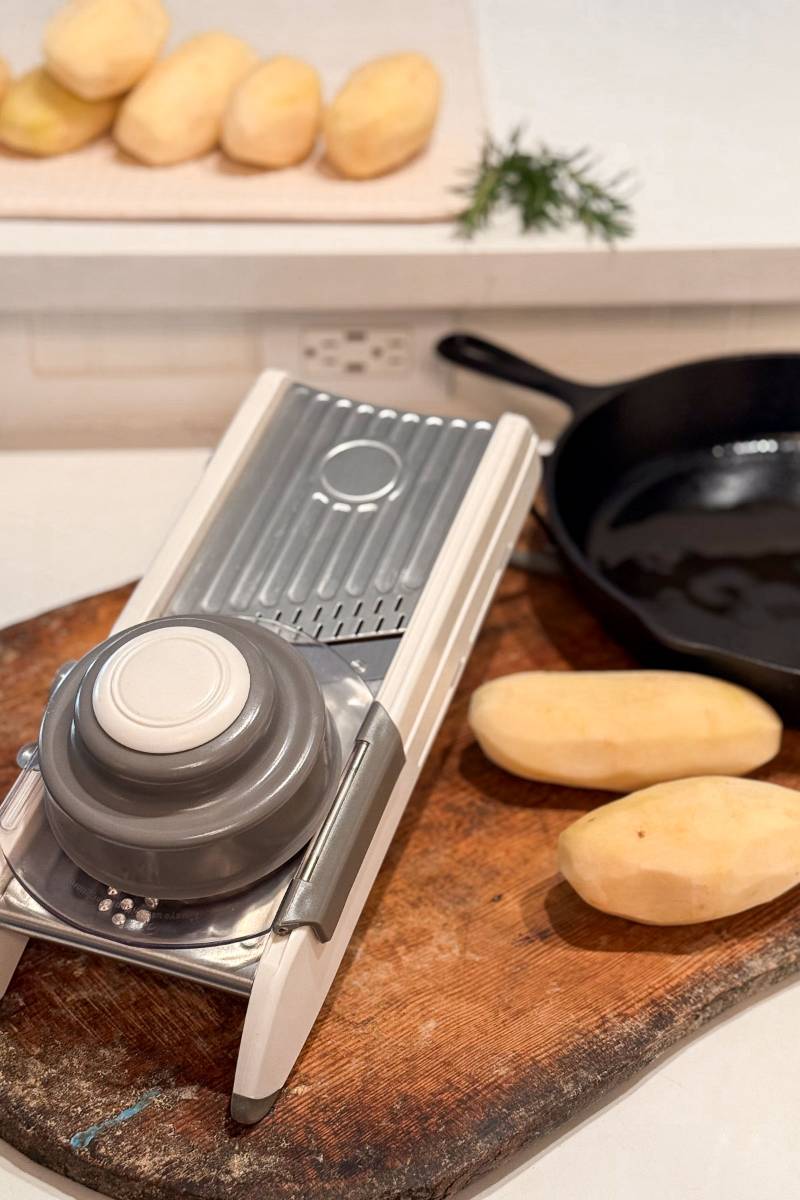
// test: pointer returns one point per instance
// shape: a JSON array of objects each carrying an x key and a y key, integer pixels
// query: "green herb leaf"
[{"x": 548, "y": 190}]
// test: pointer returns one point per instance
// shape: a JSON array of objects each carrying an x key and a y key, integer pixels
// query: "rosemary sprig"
[{"x": 548, "y": 190}]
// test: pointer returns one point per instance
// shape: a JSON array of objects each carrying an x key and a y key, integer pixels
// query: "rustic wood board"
[{"x": 480, "y": 1005}]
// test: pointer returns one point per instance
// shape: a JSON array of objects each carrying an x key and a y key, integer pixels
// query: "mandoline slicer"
[{"x": 215, "y": 785}]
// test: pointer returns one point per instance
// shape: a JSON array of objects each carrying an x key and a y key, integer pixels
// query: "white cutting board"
[{"x": 98, "y": 182}]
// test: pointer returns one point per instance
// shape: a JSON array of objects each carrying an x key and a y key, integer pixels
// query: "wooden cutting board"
[{"x": 481, "y": 1003}]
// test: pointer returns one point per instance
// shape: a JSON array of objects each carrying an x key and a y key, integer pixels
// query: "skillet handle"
[{"x": 466, "y": 350}]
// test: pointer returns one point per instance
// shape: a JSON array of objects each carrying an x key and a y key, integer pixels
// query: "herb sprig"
[{"x": 548, "y": 190}]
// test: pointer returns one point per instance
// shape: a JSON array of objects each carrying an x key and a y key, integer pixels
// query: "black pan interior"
[{"x": 683, "y": 492}]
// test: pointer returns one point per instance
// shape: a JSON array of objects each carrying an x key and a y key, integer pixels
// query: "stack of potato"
[{"x": 102, "y": 71}]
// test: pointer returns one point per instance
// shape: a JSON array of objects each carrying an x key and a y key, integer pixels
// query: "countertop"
[
  {"x": 716, "y": 1120},
  {"x": 698, "y": 101}
]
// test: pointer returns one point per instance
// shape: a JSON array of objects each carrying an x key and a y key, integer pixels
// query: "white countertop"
[
  {"x": 699, "y": 101},
  {"x": 717, "y": 1120}
]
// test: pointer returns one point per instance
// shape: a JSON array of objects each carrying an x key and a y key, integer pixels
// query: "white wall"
[{"x": 171, "y": 379}]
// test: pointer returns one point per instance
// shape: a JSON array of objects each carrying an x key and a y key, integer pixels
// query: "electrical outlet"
[{"x": 376, "y": 350}]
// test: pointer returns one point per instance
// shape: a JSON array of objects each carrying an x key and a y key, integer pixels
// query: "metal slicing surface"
[
  {"x": 230, "y": 966},
  {"x": 336, "y": 521}
]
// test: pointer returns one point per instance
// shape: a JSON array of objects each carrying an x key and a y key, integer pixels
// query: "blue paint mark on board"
[{"x": 84, "y": 1137}]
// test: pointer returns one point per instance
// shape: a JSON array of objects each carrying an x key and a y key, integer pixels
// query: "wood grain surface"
[{"x": 481, "y": 1003}]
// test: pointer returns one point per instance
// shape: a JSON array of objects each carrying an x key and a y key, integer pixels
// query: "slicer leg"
[
  {"x": 293, "y": 978},
  {"x": 290, "y": 986},
  {"x": 247, "y": 1111},
  {"x": 11, "y": 946}
]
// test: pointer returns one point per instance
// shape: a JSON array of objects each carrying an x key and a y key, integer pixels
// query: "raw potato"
[
  {"x": 687, "y": 851},
  {"x": 274, "y": 115},
  {"x": 101, "y": 48},
  {"x": 40, "y": 117},
  {"x": 621, "y": 730},
  {"x": 383, "y": 115},
  {"x": 5, "y": 77},
  {"x": 176, "y": 112}
]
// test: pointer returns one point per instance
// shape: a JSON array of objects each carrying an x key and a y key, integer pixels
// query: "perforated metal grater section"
[{"x": 337, "y": 519}]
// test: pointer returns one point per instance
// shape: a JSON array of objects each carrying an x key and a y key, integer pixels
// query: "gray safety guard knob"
[{"x": 187, "y": 757}]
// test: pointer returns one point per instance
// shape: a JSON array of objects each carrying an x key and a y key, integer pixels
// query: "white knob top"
[{"x": 171, "y": 689}]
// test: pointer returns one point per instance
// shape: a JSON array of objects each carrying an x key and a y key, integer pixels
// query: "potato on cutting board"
[
  {"x": 383, "y": 115},
  {"x": 101, "y": 48},
  {"x": 176, "y": 112},
  {"x": 687, "y": 851},
  {"x": 274, "y": 115},
  {"x": 38, "y": 116},
  {"x": 621, "y": 730}
]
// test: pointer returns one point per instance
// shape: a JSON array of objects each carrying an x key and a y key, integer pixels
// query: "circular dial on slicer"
[
  {"x": 203, "y": 811},
  {"x": 171, "y": 689}
]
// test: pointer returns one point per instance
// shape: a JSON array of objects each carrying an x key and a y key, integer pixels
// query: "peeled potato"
[
  {"x": 39, "y": 116},
  {"x": 5, "y": 77},
  {"x": 101, "y": 48},
  {"x": 176, "y": 112},
  {"x": 687, "y": 851},
  {"x": 383, "y": 115},
  {"x": 621, "y": 730},
  {"x": 274, "y": 115}
]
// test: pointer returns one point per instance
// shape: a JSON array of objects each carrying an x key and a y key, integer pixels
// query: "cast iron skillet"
[{"x": 675, "y": 500}]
